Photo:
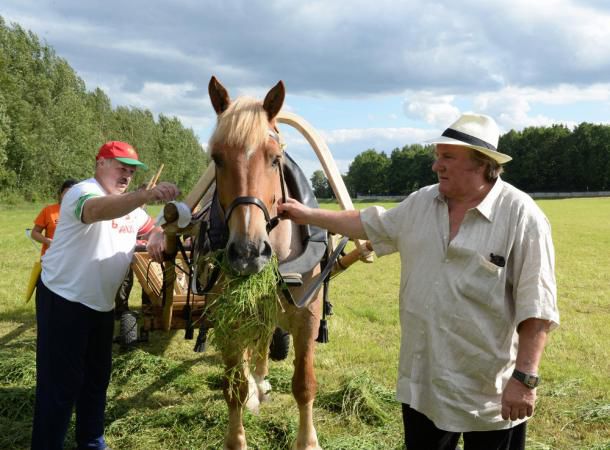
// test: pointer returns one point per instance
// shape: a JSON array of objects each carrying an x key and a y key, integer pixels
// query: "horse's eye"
[
  {"x": 276, "y": 161},
  {"x": 217, "y": 160}
]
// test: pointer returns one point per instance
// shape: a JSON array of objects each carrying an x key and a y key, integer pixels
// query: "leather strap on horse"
[
  {"x": 187, "y": 312},
  {"x": 323, "y": 276},
  {"x": 248, "y": 200}
]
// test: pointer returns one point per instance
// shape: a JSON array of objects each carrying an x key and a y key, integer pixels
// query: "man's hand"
[
  {"x": 518, "y": 400},
  {"x": 156, "y": 244},
  {"x": 164, "y": 192},
  {"x": 293, "y": 210}
]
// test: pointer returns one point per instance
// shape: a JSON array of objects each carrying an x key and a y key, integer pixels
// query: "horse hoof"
[
  {"x": 253, "y": 405},
  {"x": 253, "y": 401},
  {"x": 264, "y": 391}
]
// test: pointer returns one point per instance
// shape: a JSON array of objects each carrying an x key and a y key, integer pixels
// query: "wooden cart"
[{"x": 150, "y": 277}]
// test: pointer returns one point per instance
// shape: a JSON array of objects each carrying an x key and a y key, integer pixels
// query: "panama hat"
[{"x": 476, "y": 131}]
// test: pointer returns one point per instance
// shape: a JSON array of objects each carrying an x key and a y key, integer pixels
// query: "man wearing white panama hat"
[{"x": 477, "y": 292}]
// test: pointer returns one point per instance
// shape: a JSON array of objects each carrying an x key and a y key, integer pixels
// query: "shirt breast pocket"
[{"x": 481, "y": 281}]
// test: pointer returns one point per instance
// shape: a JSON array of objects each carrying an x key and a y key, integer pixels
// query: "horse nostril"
[
  {"x": 232, "y": 253},
  {"x": 266, "y": 249}
]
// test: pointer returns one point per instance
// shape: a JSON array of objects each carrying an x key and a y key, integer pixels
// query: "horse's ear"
[
  {"x": 274, "y": 100},
  {"x": 218, "y": 95}
]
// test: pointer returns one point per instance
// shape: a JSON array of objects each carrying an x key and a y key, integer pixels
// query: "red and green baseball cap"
[{"x": 121, "y": 151}]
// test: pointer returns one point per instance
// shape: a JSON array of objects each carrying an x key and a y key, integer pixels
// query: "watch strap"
[{"x": 529, "y": 380}]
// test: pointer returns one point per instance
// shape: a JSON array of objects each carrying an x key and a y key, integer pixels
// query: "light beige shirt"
[{"x": 458, "y": 310}]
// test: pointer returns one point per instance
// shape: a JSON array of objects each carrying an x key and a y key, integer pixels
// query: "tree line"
[
  {"x": 51, "y": 126},
  {"x": 545, "y": 159}
]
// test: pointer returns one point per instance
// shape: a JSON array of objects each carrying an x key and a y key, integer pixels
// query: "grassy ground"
[{"x": 163, "y": 395}]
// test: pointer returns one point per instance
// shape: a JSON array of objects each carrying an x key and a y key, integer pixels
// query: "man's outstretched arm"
[{"x": 346, "y": 223}]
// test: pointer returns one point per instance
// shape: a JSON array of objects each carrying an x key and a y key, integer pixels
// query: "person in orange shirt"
[{"x": 47, "y": 219}]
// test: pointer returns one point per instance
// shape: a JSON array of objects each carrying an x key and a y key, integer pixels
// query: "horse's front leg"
[
  {"x": 261, "y": 370},
  {"x": 304, "y": 384},
  {"x": 236, "y": 396}
]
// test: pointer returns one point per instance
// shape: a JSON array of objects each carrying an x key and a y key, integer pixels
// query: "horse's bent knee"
[{"x": 304, "y": 390}]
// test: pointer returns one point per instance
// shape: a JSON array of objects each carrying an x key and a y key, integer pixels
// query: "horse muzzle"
[{"x": 247, "y": 257}]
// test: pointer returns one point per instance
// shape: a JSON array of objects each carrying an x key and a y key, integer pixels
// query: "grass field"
[{"x": 165, "y": 396}]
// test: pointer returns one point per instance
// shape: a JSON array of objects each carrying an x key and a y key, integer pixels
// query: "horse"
[{"x": 248, "y": 155}]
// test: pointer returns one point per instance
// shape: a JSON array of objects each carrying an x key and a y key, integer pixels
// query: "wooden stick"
[
  {"x": 153, "y": 181},
  {"x": 328, "y": 164},
  {"x": 204, "y": 183},
  {"x": 170, "y": 213},
  {"x": 355, "y": 255}
]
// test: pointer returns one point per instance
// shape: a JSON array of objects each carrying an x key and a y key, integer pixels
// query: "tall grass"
[{"x": 163, "y": 395}]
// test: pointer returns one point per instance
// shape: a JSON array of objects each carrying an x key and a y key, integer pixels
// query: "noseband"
[{"x": 248, "y": 200}]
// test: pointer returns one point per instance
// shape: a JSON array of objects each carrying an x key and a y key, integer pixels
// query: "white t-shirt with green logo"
[{"x": 87, "y": 262}]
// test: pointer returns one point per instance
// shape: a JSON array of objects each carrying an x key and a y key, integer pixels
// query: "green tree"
[
  {"x": 101, "y": 108},
  {"x": 321, "y": 187},
  {"x": 4, "y": 137},
  {"x": 367, "y": 174},
  {"x": 540, "y": 158},
  {"x": 50, "y": 126},
  {"x": 589, "y": 157},
  {"x": 180, "y": 151},
  {"x": 410, "y": 169}
]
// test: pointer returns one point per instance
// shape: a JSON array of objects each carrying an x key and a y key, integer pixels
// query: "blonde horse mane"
[{"x": 243, "y": 125}]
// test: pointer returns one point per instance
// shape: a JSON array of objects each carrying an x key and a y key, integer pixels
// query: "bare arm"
[
  {"x": 156, "y": 244},
  {"x": 347, "y": 222},
  {"x": 532, "y": 339},
  {"x": 38, "y": 236},
  {"x": 113, "y": 206},
  {"x": 518, "y": 401}
]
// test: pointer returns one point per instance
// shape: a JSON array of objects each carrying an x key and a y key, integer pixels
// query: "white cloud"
[
  {"x": 511, "y": 106},
  {"x": 434, "y": 109},
  {"x": 577, "y": 30},
  {"x": 154, "y": 94},
  {"x": 405, "y": 135}
]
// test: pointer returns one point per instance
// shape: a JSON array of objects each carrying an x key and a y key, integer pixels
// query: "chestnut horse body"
[{"x": 247, "y": 153}]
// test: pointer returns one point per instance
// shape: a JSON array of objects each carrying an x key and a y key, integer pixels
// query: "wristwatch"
[{"x": 528, "y": 379}]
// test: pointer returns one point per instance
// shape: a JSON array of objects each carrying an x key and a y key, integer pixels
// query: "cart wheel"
[
  {"x": 280, "y": 343},
  {"x": 129, "y": 330}
]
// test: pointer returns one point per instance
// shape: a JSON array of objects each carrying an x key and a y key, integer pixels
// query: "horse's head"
[{"x": 247, "y": 153}]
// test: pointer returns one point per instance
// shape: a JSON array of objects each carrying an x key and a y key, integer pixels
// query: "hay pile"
[{"x": 361, "y": 398}]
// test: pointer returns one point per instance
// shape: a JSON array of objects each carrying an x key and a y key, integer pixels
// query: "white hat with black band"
[{"x": 476, "y": 131}]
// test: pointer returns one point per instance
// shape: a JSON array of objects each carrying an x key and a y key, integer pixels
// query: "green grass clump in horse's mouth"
[{"x": 245, "y": 311}]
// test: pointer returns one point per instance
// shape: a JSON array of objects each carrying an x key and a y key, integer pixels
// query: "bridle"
[{"x": 272, "y": 222}]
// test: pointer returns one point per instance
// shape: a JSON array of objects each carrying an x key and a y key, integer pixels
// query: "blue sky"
[{"x": 366, "y": 74}]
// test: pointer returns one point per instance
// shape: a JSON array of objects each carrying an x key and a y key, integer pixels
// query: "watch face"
[{"x": 531, "y": 381}]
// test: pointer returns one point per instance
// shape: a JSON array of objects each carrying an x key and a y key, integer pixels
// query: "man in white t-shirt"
[
  {"x": 477, "y": 293},
  {"x": 92, "y": 249}
]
